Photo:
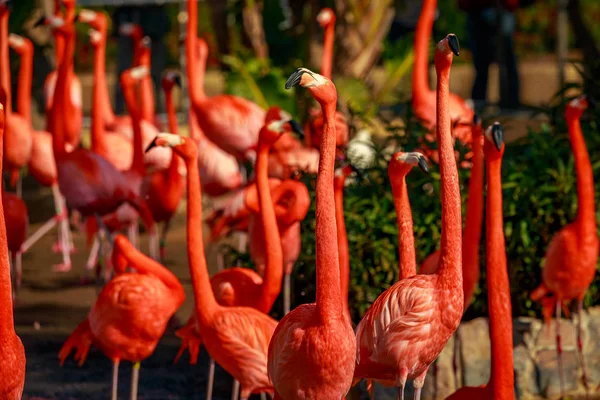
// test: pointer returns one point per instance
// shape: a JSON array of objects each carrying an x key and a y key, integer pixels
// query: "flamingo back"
[
  {"x": 17, "y": 142},
  {"x": 42, "y": 165},
  {"x": 236, "y": 287}
]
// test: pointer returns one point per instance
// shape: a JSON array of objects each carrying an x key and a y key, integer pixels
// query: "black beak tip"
[
  {"x": 177, "y": 80},
  {"x": 498, "y": 135},
  {"x": 294, "y": 79},
  {"x": 454, "y": 44},
  {"x": 591, "y": 101},
  {"x": 476, "y": 119},
  {"x": 151, "y": 145},
  {"x": 423, "y": 165},
  {"x": 41, "y": 20},
  {"x": 297, "y": 128}
]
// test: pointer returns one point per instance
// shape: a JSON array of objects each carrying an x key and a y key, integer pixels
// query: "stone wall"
[{"x": 536, "y": 370}]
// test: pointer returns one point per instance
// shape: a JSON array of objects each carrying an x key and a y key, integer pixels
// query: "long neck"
[
  {"x": 473, "y": 224},
  {"x": 59, "y": 109},
  {"x": 420, "y": 80},
  {"x": 329, "y": 301},
  {"x": 327, "y": 61},
  {"x": 205, "y": 301},
  {"x": 137, "y": 164},
  {"x": 6, "y": 306},
  {"x": 271, "y": 286},
  {"x": 97, "y": 126},
  {"x": 194, "y": 67},
  {"x": 449, "y": 269},
  {"x": 108, "y": 114},
  {"x": 148, "y": 108},
  {"x": 406, "y": 241},
  {"x": 342, "y": 240},
  {"x": 173, "y": 170},
  {"x": 24, "y": 86},
  {"x": 4, "y": 63},
  {"x": 586, "y": 212},
  {"x": 501, "y": 380}
]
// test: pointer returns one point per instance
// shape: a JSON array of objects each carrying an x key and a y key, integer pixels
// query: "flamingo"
[
  {"x": 17, "y": 222},
  {"x": 41, "y": 164},
  {"x": 130, "y": 315},
  {"x": 409, "y": 324},
  {"x": 89, "y": 183},
  {"x": 74, "y": 98},
  {"x": 12, "y": 370},
  {"x": 313, "y": 350},
  {"x": 237, "y": 338},
  {"x": 17, "y": 136},
  {"x": 424, "y": 98},
  {"x": 164, "y": 189},
  {"x": 572, "y": 255},
  {"x": 230, "y": 122},
  {"x": 315, "y": 125},
  {"x": 501, "y": 385}
]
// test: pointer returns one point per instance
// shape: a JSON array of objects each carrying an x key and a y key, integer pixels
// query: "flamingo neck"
[
  {"x": 586, "y": 211},
  {"x": 420, "y": 81},
  {"x": 97, "y": 126},
  {"x": 406, "y": 241},
  {"x": 271, "y": 286},
  {"x": 4, "y": 63},
  {"x": 449, "y": 269},
  {"x": 328, "y": 297},
  {"x": 205, "y": 302},
  {"x": 61, "y": 93},
  {"x": 173, "y": 170},
  {"x": 195, "y": 67},
  {"x": 24, "y": 86},
  {"x": 146, "y": 91},
  {"x": 502, "y": 377},
  {"x": 473, "y": 223},
  {"x": 327, "y": 60},
  {"x": 100, "y": 76},
  {"x": 137, "y": 165},
  {"x": 6, "y": 305},
  {"x": 342, "y": 240}
]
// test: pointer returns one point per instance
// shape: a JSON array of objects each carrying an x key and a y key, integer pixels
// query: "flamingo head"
[
  {"x": 95, "y": 37},
  {"x": 493, "y": 144},
  {"x": 276, "y": 113},
  {"x": 5, "y": 6},
  {"x": 58, "y": 24},
  {"x": 97, "y": 20},
  {"x": 321, "y": 88},
  {"x": 445, "y": 50},
  {"x": 19, "y": 43},
  {"x": 131, "y": 30},
  {"x": 185, "y": 147},
  {"x": 275, "y": 127},
  {"x": 170, "y": 79},
  {"x": 401, "y": 164},
  {"x": 325, "y": 17},
  {"x": 577, "y": 106}
]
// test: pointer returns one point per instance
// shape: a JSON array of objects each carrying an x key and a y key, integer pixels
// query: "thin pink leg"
[
  {"x": 401, "y": 382},
  {"x": 580, "y": 346},
  {"x": 435, "y": 379},
  {"x": 455, "y": 353},
  {"x": 559, "y": 351},
  {"x": 418, "y": 385}
]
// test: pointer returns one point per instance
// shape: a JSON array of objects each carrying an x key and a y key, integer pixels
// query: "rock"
[{"x": 475, "y": 352}]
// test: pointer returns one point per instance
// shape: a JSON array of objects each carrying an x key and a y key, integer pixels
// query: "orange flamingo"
[
  {"x": 572, "y": 255},
  {"x": 130, "y": 315},
  {"x": 41, "y": 164},
  {"x": 17, "y": 136},
  {"x": 313, "y": 350},
  {"x": 237, "y": 338},
  {"x": 12, "y": 371},
  {"x": 164, "y": 189},
  {"x": 501, "y": 385},
  {"x": 409, "y": 324},
  {"x": 423, "y": 98},
  {"x": 315, "y": 125}
]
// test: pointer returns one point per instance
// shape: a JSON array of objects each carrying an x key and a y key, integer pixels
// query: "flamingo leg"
[
  {"x": 19, "y": 186},
  {"x": 211, "y": 379},
  {"x": 371, "y": 389},
  {"x": 559, "y": 350},
  {"x": 418, "y": 384},
  {"x": 19, "y": 270},
  {"x": 580, "y": 345},
  {"x": 163, "y": 240},
  {"x": 435, "y": 379},
  {"x": 135, "y": 376},
  {"x": 263, "y": 396},
  {"x": 455, "y": 353},
  {"x": 401, "y": 382},
  {"x": 115, "y": 379},
  {"x": 286, "y": 293},
  {"x": 236, "y": 390},
  {"x": 132, "y": 232},
  {"x": 153, "y": 244}
]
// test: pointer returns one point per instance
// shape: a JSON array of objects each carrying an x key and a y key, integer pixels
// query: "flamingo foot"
[
  {"x": 62, "y": 267},
  {"x": 57, "y": 247}
]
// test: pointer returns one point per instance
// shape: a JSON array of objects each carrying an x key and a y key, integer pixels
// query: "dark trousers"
[{"x": 491, "y": 39}]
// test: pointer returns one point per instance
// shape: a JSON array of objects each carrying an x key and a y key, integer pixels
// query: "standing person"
[
  {"x": 491, "y": 21},
  {"x": 154, "y": 21}
]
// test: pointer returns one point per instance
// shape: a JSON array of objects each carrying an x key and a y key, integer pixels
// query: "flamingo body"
[{"x": 16, "y": 219}]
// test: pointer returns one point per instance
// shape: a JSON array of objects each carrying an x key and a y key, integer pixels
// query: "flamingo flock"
[{"x": 133, "y": 171}]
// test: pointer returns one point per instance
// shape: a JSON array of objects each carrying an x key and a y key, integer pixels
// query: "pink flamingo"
[
  {"x": 572, "y": 255},
  {"x": 409, "y": 324},
  {"x": 501, "y": 385},
  {"x": 313, "y": 350}
]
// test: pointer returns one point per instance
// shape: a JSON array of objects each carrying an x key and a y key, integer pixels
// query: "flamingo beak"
[
  {"x": 152, "y": 145},
  {"x": 294, "y": 78},
  {"x": 297, "y": 128},
  {"x": 177, "y": 80},
  {"x": 476, "y": 119},
  {"x": 41, "y": 21},
  {"x": 497, "y": 135},
  {"x": 454, "y": 44},
  {"x": 423, "y": 165}
]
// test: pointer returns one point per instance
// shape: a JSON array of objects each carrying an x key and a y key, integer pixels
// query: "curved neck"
[
  {"x": 24, "y": 86},
  {"x": 146, "y": 265},
  {"x": 146, "y": 90},
  {"x": 7, "y": 327},
  {"x": 137, "y": 164},
  {"x": 449, "y": 269},
  {"x": 586, "y": 211},
  {"x": 327, "y": 61},
  {"x": 406, "y": 240},
  {"x": 173, "y": 170},
  {"x": 271, "y": 286},
  {"x": 205, "y": 301},
  {"x": 473, "y": 223},
  {"x": 4, "y": 63},
  {"x": 342, "y": 240},
  {"x": 59, "y": 109},
  {"x": 97, "y": 126},
  {"x": 329, "y": 301},
  {"x": 420, "y": 81},
  {"x": 500, "y": 311}
]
